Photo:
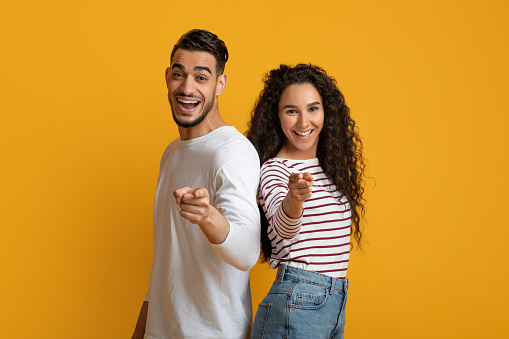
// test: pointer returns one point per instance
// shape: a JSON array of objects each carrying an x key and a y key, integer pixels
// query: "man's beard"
[{"x": 197, "y": 121}]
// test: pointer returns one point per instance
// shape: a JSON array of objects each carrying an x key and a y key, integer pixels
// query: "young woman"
[{"x": 311, "y": 187}]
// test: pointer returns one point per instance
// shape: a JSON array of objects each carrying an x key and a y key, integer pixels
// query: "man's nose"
[{"x": 188, "y": 86}]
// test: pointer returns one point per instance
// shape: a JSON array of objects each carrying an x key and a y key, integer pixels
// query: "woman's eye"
[{"x": 312, "y": 109}]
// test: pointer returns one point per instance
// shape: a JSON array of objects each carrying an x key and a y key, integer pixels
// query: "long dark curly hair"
[{"x": 339, "y": 145}]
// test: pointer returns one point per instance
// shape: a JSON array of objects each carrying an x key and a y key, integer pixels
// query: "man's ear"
[
  {"x": 167, "y": 75},
  {"x": 221, "y": 84}
]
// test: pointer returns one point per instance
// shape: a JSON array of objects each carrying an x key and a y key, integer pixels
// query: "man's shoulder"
[
  {"x": 172, "y": 144},
  {"x": 233, "y": 143},
  {"x": 169, "y": 149},
  {"x": 230, "y": 133}
]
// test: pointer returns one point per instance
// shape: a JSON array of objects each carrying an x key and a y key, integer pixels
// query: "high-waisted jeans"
[{"x": 302, "y": 304}]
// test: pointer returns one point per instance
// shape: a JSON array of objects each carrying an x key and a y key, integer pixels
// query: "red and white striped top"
[{"x": 319, "y": 240}]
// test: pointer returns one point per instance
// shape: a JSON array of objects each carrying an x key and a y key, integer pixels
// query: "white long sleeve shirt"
[{"x": 198, "y": 289}]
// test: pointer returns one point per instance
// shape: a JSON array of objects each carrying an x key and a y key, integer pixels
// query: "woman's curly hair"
[{"x": 339, "y": 145}]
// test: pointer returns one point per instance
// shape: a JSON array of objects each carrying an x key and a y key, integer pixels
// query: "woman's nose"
[{"x": 303, "y": 120}]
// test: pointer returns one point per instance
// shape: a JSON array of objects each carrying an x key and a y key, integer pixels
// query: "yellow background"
[{"x": 85, "y": 119}]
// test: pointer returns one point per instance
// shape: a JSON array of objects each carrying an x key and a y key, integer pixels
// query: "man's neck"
[{"x": 212, "y": 122}]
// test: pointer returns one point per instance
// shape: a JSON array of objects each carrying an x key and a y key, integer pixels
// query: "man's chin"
[
  {"x": 188, "y": 122},
  {"x": 185, "y": 124}
]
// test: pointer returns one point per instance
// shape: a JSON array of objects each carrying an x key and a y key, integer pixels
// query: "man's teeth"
[
  {"x": 303, "y": 134},
  {"x": 187, "y": 101}
]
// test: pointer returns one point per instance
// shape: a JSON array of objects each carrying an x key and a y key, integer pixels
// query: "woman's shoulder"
[
  {"x": 276, "y": 163},
  {"x": 291, "y": 164},
  {"x": 274, "y": 166}
]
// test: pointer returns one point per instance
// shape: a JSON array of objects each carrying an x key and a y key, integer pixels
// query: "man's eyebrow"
[
  {"x": 202, "y": 68},
  {"x": 196, "y": 68},
  {"x": 177, "y": 65}
]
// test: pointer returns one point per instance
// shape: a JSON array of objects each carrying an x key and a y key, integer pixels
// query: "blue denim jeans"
[{"x": 302, "y": 304}]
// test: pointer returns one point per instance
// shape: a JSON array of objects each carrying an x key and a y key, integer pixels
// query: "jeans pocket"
[
  {"x": 260, "y": 321},
  {"x": 309, "y": 296}
]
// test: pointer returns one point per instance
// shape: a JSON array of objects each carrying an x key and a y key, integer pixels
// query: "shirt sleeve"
[
  {"x": 237, "y": 181},
  {"x": 273, "y": 189}
]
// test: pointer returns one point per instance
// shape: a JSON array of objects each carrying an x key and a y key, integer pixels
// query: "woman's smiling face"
[{"x": 301, "y": 114}]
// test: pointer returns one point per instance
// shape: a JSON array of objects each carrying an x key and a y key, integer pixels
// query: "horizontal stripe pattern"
[{"x": 319, "y": 240}]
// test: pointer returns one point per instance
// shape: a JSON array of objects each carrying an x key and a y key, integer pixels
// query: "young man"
[{"x": 206, "y": 220}]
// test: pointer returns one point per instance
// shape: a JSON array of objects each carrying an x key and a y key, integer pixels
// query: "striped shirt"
[{"x": 319, "y": 240}]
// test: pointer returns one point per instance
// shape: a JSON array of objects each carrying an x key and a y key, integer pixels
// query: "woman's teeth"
[{"x": 303, "y": 134}]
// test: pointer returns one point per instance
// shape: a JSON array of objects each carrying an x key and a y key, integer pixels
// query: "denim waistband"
[{"x": 293, "y": 273}]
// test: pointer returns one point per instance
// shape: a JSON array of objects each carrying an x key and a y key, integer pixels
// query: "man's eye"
[{"x": 202, "y": 78}]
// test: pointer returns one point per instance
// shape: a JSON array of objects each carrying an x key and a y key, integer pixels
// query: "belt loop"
[
  {"x": 347, "y": 283},
  {"x": 281, "y": 273},
  {"x": 332, "y": 285}
]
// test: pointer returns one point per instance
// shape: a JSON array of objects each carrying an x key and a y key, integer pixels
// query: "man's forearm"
[
  {"x": 215, "y": 227},
  {"x": 139, "y": 331}
]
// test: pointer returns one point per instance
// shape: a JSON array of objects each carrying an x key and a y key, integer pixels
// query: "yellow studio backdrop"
[{"x": 85, "y": 119}]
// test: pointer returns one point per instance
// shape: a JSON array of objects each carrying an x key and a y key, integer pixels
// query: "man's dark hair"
[{"x": 200, "y": 40}]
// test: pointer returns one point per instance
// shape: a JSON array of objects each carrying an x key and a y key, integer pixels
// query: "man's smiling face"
[{"x": 192, "y": 86}]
